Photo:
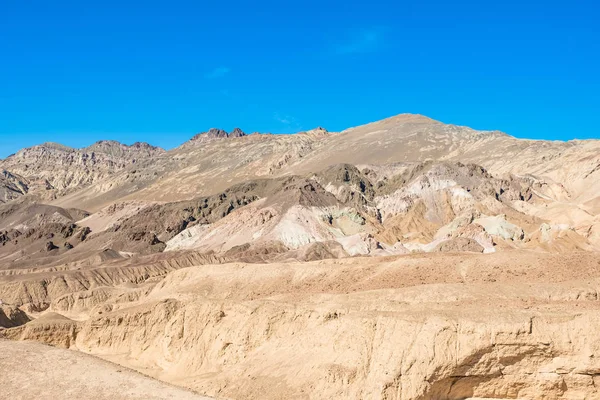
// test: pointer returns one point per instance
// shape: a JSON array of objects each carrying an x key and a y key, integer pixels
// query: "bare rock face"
[
  {"x": 11, "y": 316},
  {"x": 12, "y": 186},
  {"x": 50, "y": 246}
]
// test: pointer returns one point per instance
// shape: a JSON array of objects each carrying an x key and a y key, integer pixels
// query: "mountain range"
[{"x": 315, "y": 224}]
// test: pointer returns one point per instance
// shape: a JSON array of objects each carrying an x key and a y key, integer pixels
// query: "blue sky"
[{"x": 160, "y": 71}]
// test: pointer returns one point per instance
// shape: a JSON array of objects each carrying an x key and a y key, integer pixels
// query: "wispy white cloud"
[
  {"x": 290, "y": 123},
  {"x": 364, "y": 41},
  {"x": 286, "y": 120},
  {"x": 218, "y": 72}
]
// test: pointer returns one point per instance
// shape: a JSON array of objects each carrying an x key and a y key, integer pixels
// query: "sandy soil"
[{"x": 35, "y": 371}]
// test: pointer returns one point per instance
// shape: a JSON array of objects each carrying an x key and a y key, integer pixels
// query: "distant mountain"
[
  {"x": 422, "y": 159},
  {"x": 62, "y": 169}
]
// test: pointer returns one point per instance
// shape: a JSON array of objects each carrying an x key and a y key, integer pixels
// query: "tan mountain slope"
[
  {"x": 32, "y": 233},
  {"x": 35, "y": 371},
  {"x": 205, "y": 168},
  {"x": 417, "y": 209},
  {"x": 201, "y": 167}
]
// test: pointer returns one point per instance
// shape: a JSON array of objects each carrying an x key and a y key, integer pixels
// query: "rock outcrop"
[{"x": 12, "y": 186}]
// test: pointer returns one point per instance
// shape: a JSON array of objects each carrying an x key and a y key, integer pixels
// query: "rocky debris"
[
  {"x": 50, "y": 246},
  {"x": 83, "y": 233},
  {"x": 459, "y": 244},
  {"x": 68, "y": 230},
  {"x": 8, "y": 236}
]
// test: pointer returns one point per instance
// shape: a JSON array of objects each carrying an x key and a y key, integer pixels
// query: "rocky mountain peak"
[
  {"x": 237, "y": 132},
  {"x": 216, "y": 133},
  {"x": 414, "y": 118},
  {"x": 145, "y": 146},
  {"x": 318, "y": 132},
  {"x": 212, "y": 134},
  {"x": 47, "y": 146}
]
